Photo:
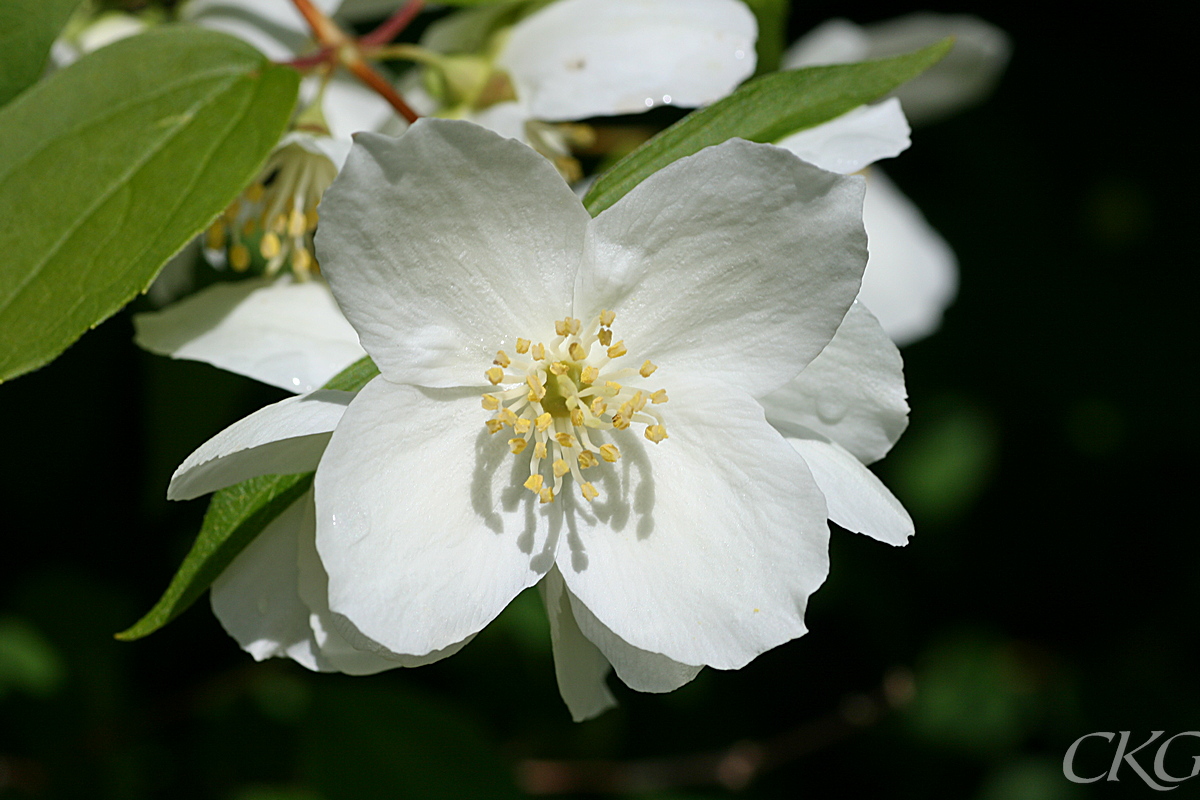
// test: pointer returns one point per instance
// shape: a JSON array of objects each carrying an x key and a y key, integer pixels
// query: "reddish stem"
[
  {"x": 324, "y": 30},
  {"x": 304, "y": 63},
  {"x": 393, "y": 25},
  {"x": 380, "y": 84}
]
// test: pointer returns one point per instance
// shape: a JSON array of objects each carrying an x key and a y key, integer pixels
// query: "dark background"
[{"x": 1050, "y": 590}]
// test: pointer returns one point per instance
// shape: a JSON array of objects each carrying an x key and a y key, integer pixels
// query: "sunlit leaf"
[
  {"x": 764, "y": 109},
  {"x": 110, "y": 166}
]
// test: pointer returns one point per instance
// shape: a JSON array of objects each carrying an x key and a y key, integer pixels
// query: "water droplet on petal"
[
  {"x": 667, "y": 99},
  {"x": 739, "y": 55},
  {"x": 831, "y": 408},
  {"x": 351, "y": 521},
  {"x": 649, "y": 102}
]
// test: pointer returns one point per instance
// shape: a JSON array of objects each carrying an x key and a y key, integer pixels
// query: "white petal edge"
[
  {"x": 281, "y": 439},
  {"x": 579, "y": 666},
  {"x": 285, "y": 333},
  {"x": 583, "y": 58},
  {"x": 852, "y": 393},
  {"x": 857, "y": 500},
  {"x": 422, "y": 523},
  {"x": 705, "y": 547},
  {"x": 256, "y": 599},
  {"x": 856, "y": 139},
  {"x": 735, "y": 265},
  {"x": 912, "y": 273},
  {"x": 446, "y": 244}
]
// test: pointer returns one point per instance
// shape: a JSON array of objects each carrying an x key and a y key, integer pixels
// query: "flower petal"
[
  {"x": 422, "y": 523},
  {"x": 638, "y": 669},
  {"x": 579, "y": 667},
  {"x": 858, "y": 501},
  {"x": 705, "y": 547},
  {"x": 445, "y": 245},
  {"x": 255, "y": 598},
  {"x": 341, "y": 646},
  {"x": 853, "y": 393},
  {"x": 584, "y": 58},
  {"x": 912, "y": 274},
  {"x": 736, "y": 264},
  {"x": 280, "y": 439},
  {"x": 351, "y": 106},
  {"x": 280, "y": 332},
  {"x": 964, "y": 77},
  {"x": 854, "y": 140}
]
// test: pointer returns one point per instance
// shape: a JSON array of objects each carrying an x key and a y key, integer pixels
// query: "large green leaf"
[
  {"x": 111, "y": 165},
  {"x": 27, "y": 29},
  {"x": 764, "y": 109},
  {"x": 235, "y": 516}
]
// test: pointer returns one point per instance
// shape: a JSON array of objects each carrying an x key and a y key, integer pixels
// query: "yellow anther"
[
  {"x": 214, "y": 237},
  {"x": 599, "y": 406},
  {"x": 494, "y": 425},
  {"x": 517, "y": 446},
  {"x": 577, "y": 352},
  {"x": 605, "y": 336},
  {"x": 539, "y": 351},
  {"x": 588, "y": 491},
  {"x": 522, "y": 425},
  {"x": 609, "y": 452},
  {"x": 566, "y": 440},
  {"x": 607, "y": 317},
  {"x": 617, "y": 350},
  {"x": 254, "y": 192},
  {"x": 534, "y": 483},
  {"x": 587, "y": 459},
  {"x": 656, "y": 433},
  {"x": 547, "y": 495},
  {"x": 576, "y": 416},
  {"x": 613, "y": 388},
  {"x": 490, "y": 402},
  {"x": 647, "y": 369},
  {"x": 561, "y": 326},
  {"x": 659, "y": 397},
  {"x": 239, "y": 257},
  {"x": 573, "y": 325},
  {"x": 638, "y": 401},
  {"x": 620, "y": 421},
  {"x": 522, "y": 346},
  {"x": 279, "y": 224},
  {"x": 296, "y": 223},
  {"x": 507, "y": 416},
  {"x": 559, "y": 368},
  {"x": 539, "y": 450},
  {"x": 502, "y": 359},
  {"x": 495, "y": 375},
  {"x": 536, "y": 390},
  {"x": 560, "y": 468},
  {"x": 310, "y": 219},
  {"x": 301, "y": 261},
  {"x": 589, "y": 375},
  {"x": 249, "y": 227},
  {"x": 543, "y": 421}
]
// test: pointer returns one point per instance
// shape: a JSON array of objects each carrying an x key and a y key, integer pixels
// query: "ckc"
[{"x": 1122, "y": 755}]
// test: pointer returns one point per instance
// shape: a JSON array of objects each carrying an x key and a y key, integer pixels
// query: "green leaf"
[
  {"x": 772, "y": 16},
  {"x": 235, "y": 516},
  {"x": 27, "y": 29},
  {"x": 110, "y": 166},
  {"x": 764, "y": 110}
]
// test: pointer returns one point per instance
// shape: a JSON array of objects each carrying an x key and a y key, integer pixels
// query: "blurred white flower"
[{"x": 699, "y": 548}]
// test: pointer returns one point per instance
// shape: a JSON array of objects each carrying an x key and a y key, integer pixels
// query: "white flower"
[{"x": 576, "y": 59}]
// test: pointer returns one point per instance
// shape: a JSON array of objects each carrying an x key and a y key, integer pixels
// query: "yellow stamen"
[
  {"x": 522, "y": 346},
  {"x": 547, "y": 495},
  {"x": 587, "y": 459},
  {"x": 573, "y": 325},
  {"x": 539, "y": 352},
  {"x": 561, "y": 326},
  {"x": 539, "y": 450},
  {"x": 659, "y": 397},
  {"x": 495, "y": 375},
  {"x": 536, "y": 390},
  {"x": 617, "y": 350},
  {"x": 607, "y": 317},
  {"x": 507, "y": 416},
  {"x": 599, "y": 406},
  {"x": 656, "y": 433},
  {"x": 534, "y": 483},
  {"x": 576, "y": 416},
  {"x": 543, "y": 421},
  {"x": 490, "y": 402},
  {"x": 559, "y": 368},
  {"x": 494, "y": 425},
  {"x": 269, "y": 246},
  {"x": 605, "y": 336},
  {"x": 566, "y": 440},
  {"x": 589, "y": 375},
  {"x": 301, "y": 261},
  {"x": 239, "y": 257},
  {"x": 502, "y": 359},
  {"x": 613, "y": 387},
  {"x": 517, "y": 446},
  {"x": 620, "y": 421},
  {"x": 522, "y": 425},
  {"x": 296, "y": 223},
  {"x": 588, "y": 491},
  {"x": 609, "y": 452},
  {"x": 647, "y": 369},
  {"x": 560, "y": 468},
  {"x": 577, "y": 352},
  {"x": 214, "y": 237}
]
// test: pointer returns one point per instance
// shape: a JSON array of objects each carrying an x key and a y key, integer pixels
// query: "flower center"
[
  {"x": 279, "y": 210},
  {"x": 566, "y": 395}
]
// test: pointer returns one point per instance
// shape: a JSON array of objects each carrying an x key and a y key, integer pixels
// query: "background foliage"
[{"x": 1050, "y": 591}]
